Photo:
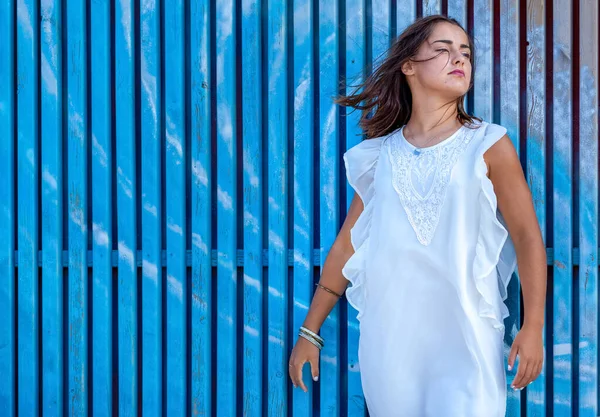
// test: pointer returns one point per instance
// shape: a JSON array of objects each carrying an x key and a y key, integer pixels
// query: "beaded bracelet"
[
  {"x": 328, "y": 290},
  {"x": 310, "y": 339}
]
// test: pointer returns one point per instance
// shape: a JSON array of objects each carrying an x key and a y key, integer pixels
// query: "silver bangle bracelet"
[
  {"x": 311, "y": 340},
  {"x": 313, "y": 334},
  {"x": 320, "y": 342},
  {"x": 317, "y": 339}
]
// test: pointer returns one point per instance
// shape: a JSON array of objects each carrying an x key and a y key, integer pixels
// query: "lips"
[{"x": 458, "y": 72}]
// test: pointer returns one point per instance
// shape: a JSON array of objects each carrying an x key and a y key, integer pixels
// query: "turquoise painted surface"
[{"x": 170, "y": 186}]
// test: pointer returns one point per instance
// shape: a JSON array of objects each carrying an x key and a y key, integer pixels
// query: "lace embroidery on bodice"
[{"x": 421, "y": 178}]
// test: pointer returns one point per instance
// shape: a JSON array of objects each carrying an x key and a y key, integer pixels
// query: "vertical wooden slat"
[
  {"x": 27, "y": 192},
  {"x": 432, "y": 7},
  {"x": 102, "y": 201},
  {"x": 562, "y": 108},
  {"x": 126, "y": 205},
  {"x": 303, "y": 87},
  {"x": 588, "y": 206},
  {"x": 252, "y": 200},
  {"x": 406, "y": 13},
  {"x": 457, "y": 9},
  {"x": 52, "y": 207},
  {"x": 176, "y": 285},
  {"x": 277, "y": 208},
  {"x": 536, "y": 156},
  {"x": 7, "y": 215},
  {"x": 150, "y": 109},
  {"x": 355, "y": 75},
  {"x": 509, "y": 118},
  {"x": 482, "y": 31},
  {"x": 200, "y": 137},
  {"x": 329, "y": 197},
  {"x": 381, "y": 35},
  {"x": 226, "y": 207},
  {"x": 355, "y": 64},
  {"x": 77, "y": 200}
]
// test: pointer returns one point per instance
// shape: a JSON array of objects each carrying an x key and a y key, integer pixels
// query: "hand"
[
  {"x": 304, "y": 351},
  {"x": 528, "y": 344}
]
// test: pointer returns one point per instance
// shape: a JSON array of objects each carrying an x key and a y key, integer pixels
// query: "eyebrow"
[{"x": 449, "y": 42}]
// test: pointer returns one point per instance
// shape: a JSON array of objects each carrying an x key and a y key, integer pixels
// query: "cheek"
[
  {"x": 436, "y": 67},
  {"x": 468, "y": 71}
]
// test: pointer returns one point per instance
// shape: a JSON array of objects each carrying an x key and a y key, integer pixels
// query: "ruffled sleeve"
[
  {"x": 495, "y": 256},
  {"x": 360, "y": 162}
]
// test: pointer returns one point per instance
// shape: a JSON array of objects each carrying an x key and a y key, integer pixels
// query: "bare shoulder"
[{"x": 502, "y": 156}]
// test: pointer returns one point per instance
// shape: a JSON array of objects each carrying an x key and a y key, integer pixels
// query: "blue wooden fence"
[{"x": 170, "y": 184}]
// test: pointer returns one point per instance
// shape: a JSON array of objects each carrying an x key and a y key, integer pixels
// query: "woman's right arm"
[
  {"x": 331, "y": 275},
  {"x": 323, "y": 301}
]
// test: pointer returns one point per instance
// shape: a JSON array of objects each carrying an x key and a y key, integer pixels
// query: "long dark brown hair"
[{"x": 386, "y": 93}]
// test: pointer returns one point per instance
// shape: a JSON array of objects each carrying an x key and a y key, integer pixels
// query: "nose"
[{"x": 460, "y": 58}]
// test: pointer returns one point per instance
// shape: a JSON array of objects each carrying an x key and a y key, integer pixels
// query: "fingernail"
[
  {"x": 509, "y": 367},
  {"x": 315, "y": 378}
]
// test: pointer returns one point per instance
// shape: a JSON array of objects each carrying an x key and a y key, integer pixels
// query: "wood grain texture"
[
  {"x": 8, "y": 148},
  {"x": 77, "y": 170},
  {"x": 176, "y": 282},
  {"x": 509, "y": 64},
  {"x": 200, "y": 59},
  {"x": 562, "y": 116},
  {"x": 303, "y": 185},
  {"x": 536, "y": 152},
  {"x": 51, "y": 183},
  {"x": 588, "y": 208},
  {"x": 152, "y": 210},
  {"x": 328, "y": 386}
]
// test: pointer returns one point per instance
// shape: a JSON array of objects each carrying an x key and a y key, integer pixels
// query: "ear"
[{"x": 408, "y": 68}]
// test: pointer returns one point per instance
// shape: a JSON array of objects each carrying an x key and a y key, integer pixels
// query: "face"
[{"x": 446, "y": 67}]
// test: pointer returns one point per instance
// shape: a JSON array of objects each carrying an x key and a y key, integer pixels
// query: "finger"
[
  {"x": 299, "y": 381},
  {"x": 314, "y": 366},
  {"x": 530, "y": 375},
  {"x": 538, "y": 371},
  {"x": 521, "y": 375},
  {"x": 292, "y": 372},
  {"x": 512, "y": 356},
  {"x": 534, "y": 374}
]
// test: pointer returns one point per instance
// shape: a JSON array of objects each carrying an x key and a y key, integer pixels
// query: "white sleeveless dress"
[{"x": 432, "y": 262}]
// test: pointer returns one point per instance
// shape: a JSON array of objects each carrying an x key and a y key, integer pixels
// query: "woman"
[{"x": 441, "y": 214}]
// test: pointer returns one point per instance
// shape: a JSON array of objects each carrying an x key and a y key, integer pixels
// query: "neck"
[{"x": 431, "y": 116}]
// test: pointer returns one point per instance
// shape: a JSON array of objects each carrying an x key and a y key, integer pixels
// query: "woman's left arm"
[{"x": 516, "y": 205}]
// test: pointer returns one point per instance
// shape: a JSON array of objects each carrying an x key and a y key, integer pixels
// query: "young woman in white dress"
[{"x": 440, "y": 216}]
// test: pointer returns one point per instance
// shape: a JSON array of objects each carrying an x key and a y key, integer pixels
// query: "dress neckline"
[{"x": 426, "y": 148}]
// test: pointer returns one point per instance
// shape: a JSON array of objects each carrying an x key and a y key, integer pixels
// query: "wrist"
[
  {"x": 311, "y": 327},
  {"x": 533, "y": 324}
]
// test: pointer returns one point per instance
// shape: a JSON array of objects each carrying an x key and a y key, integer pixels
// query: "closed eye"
[{"x": 466, "y": 54}]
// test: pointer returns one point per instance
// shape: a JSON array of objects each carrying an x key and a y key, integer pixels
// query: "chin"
[{"x": 453, "y": 92}]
